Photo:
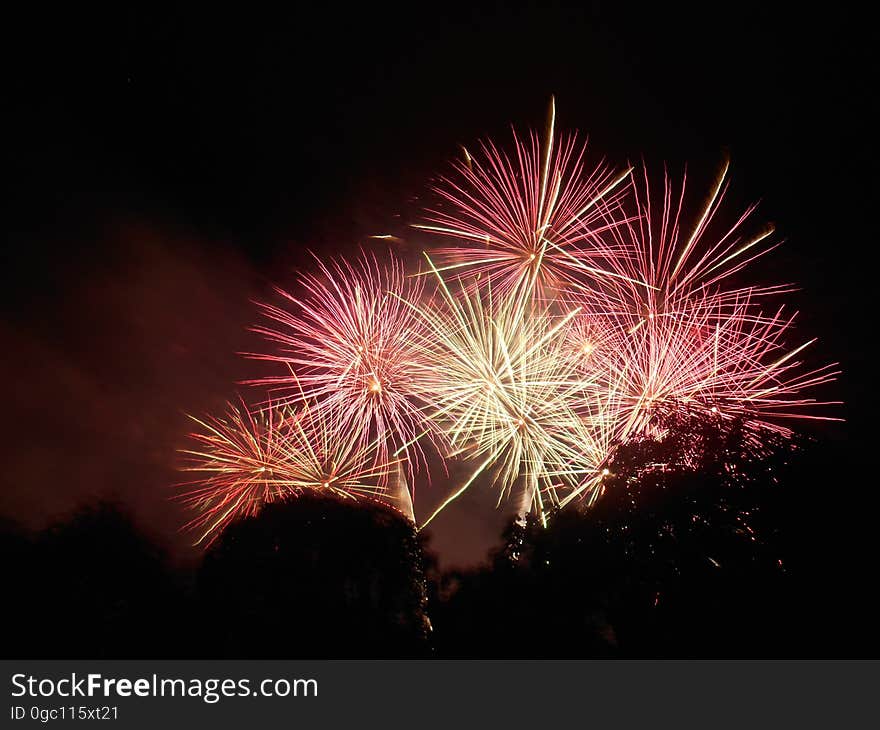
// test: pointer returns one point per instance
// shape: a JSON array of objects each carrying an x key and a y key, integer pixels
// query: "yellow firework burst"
[{"x": 504, "y": 394}]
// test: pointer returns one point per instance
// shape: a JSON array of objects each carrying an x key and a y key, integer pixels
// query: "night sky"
[{"x": 166, "y": 170}]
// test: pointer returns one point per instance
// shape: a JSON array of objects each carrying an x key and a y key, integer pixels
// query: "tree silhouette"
[
  {"x": 686, "y": 553},
  {"x": 103, "y": 591},
  {"x": 679, "y": 557},
  {"x": 20, "y": 579},
  {"x": 316, "y": 576}
]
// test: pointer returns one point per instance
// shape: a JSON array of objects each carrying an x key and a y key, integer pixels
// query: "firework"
[
  {"x": 349, "y": 348},
  {"x": 247, "y": 459},
  {"x": 660, "y": 263},
  {"x": 530, "y": 221},
  {"x": 505, "y": 395},
  {"x": 688, "y": 338},
  {"x": 591, "y": 341},
  {"x": 574, "y": 311}
]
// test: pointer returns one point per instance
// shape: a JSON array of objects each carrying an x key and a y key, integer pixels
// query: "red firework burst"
[{"x": 247, "y": 459}]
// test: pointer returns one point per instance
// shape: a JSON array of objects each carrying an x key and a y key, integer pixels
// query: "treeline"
[{"x": 689, "y": 552}]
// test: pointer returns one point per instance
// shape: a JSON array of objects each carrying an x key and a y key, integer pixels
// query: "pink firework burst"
[
  {"x": 689, "y": 336},
  {"x": 529, "y": 221},
  {"x": 348, "y": 345}
]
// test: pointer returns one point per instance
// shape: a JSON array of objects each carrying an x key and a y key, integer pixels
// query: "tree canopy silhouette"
[
  {"x": 316, "y": 576},
  {"x": 95, "y": 587},
  {"x": 680, "y": 556},
  {"x": 686, "y": 553}
]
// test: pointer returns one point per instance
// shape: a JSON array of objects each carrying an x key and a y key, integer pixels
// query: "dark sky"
[{"x": 166, "y": 169}]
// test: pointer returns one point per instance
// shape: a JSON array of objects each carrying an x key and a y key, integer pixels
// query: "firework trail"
[
  {"x": 247, "y": 459},
  {"x": 348, "y": 345}
]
